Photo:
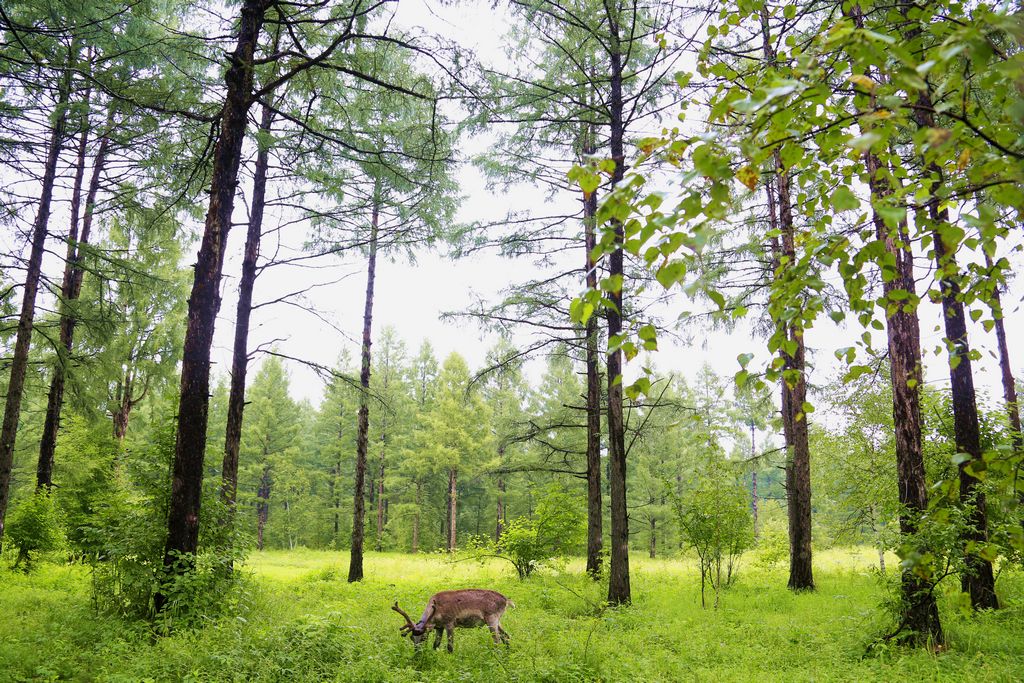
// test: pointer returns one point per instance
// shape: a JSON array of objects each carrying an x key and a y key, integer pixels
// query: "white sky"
[{"x": 411, "y": 298}]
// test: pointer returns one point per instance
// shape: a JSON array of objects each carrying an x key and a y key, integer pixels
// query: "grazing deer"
[{"x": 462, "y": 608}]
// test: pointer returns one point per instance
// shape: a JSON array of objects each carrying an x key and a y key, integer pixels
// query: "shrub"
[
  {"x": 35, "y": 526},
  {"x": 555, "y": 529},
  {"x": 715, "y": 519}
]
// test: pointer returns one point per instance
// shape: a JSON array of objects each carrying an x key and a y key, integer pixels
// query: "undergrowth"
[{"x": 298, "y": 620}]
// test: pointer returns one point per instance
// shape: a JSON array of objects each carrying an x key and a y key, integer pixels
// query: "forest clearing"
[
  {"x": 690, "y": 328},
  {"x": 298, "y": 620}
]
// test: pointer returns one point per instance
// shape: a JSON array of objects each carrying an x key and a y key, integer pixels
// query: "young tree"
[
  {"x": 456, "y": 431},
  {"x": 270, "y": 439}
]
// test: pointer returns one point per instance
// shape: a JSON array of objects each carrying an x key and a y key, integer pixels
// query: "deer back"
[{"x": 466, "y": 607}]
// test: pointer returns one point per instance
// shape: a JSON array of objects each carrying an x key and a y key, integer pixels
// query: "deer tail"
[{"x": 511, "y": 604}]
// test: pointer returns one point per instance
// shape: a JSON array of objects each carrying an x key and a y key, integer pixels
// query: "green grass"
[{"x": 300, "y": 621}]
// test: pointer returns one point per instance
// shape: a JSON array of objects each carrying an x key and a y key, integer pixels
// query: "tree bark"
[
  {"x": 262, "y": 505},
  {"x": 71, "y": 287},
  {"x": 653, "y": 548},
  {"x": 381, "y": 502},
  {"x": 125, "y": 401},
  {"x": 204, "y": 302},
  {"x": 499, "y": 527},
  {"x": 794, "y": 381},
  {"x": 23, "y": 339},
  {"x": 452, "y": 508},
  {"x": 416, "y": 521},
  {"x": 919, "y": 611},
  {"x": 978, "y": 579},
  {"x": 595, "y": 523},
  {"x": 355, "y": 568},
  {"x": 1005, "y": 369},
  {"x": 753, "y": 480},
  {"x": 618, "y": 573},
  {"x": 1006, "y": 375},
  {"x": 243, "y": 311}
]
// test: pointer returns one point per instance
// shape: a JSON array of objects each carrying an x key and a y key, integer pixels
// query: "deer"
[{"x": 460, "y": 608}]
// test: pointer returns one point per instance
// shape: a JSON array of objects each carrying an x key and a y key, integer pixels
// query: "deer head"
[{"x": 417, "y": 630}]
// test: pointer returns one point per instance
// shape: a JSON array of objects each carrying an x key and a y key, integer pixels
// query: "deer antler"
[{"x": 408, "y": 622}]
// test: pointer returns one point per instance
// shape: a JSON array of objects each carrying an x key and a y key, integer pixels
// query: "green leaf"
[
  {"x": 843, "y": 199},
  {"x": 671, "y": 273}
]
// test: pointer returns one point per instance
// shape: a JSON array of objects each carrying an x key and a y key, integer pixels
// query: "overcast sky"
[{"x": 412, "y": 297}]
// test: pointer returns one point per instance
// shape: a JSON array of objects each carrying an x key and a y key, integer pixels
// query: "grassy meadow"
[{"x": 297, "y": 619}]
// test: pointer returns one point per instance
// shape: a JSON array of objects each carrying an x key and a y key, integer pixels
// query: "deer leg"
[
  {"x": 437, "y": 637},
  {"x": 451, "y": 638},
  {"x": 495, "y": 632},
  {"x": 504, "y": 635}
]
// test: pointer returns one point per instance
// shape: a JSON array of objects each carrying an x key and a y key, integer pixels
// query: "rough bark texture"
[
  {"x": 794, "y": 383},
  {"x": 453, "y": 503},
  {"x": 19, "y": 361},
  {"x": 595, "y": 523},
  {"x": 243, "y": 311},
  {"x": 618, "y": 571},
  {"x": 71, "y": 287},
  {"x": 919, "y": 611},
  {"x": 125, "y": 399},
  {"x": 978, "y": 579},
  {"x": 355, "y": 567},
  {"x": 204, "y": 302}
]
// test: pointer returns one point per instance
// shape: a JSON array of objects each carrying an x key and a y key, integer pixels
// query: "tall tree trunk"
[
  {"x": 124, "y": 401},
  {"x": 381, "y": 502},
  {"x": 262, "y": 505},
  {"x": 452, "y": 508},
  {"x": 71, "y": 287},
  {"x": 595, "y": 523},
  {"x": 653, "y": 548},
  {"x": 204, "y": 302},
  {"x": 1005, "y": 369},
  {"x": 332, "y": 476},
  {"x": 416, "y": 520},
  {"x": 753, "y": 480},
  {"x": 19, "y": 362},
  {"x": 920, "y": 613},
  {"x": 1006, "y": 375},
  {"x": 618, "y": 573},
  {"x": 794, "y": 381},
  {"x": 355, "y": 567},
  {"x": 243, "y": 311},
  {"x": 499, "y": 526},
  {"x": 978, "y": 579}
]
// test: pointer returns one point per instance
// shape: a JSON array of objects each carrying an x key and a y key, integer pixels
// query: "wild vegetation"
[{"x": 834, "y": 188}]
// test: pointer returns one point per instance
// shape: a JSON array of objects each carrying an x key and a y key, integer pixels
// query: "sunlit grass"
[{"x": 300, "y": 620}]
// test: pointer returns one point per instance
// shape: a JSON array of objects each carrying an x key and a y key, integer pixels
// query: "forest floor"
[{"x": 298, "y": 620}]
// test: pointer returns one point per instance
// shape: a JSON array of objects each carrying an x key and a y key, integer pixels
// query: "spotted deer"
[{"x": 462, "y": 608}]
